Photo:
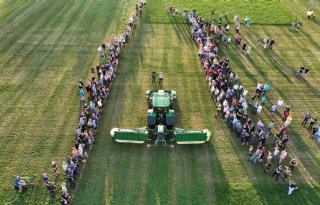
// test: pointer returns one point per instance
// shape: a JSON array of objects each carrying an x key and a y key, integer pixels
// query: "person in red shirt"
[
  {"x": 282, "y": 129},
  {"x": 234, "y": 102},
  {"x": 286, "y": 113},
  {"x": 263, "y": 152}
]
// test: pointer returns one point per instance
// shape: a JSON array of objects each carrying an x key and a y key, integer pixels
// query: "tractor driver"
[{"x": 161, "y": 118}]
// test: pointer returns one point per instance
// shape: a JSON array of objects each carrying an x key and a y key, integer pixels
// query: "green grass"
[
  {"x": 45, "y": 47},
  {"x": 260, "y": 12}
]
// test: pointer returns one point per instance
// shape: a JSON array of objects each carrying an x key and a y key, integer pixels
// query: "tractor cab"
[{"x": 160, "y": 105}]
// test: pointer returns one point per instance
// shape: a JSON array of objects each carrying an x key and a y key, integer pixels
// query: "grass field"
[{"x": 47, "y": 46}]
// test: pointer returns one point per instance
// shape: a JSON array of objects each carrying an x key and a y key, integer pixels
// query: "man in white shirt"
[
  {"x": 160, "y": 78},
  {"x": 245, "y": 93},
  {"x": 258, "y": 85},
  {"x": 279, "y": 104},
  {"x": 99, "y": 51}
]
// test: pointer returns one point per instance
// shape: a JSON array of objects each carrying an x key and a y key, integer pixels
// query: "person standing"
[
  {"x": 153, "y": 76},
  {"x": 65, "y": 167},
  {"x": 283, "y": 155},
  {"x": 270, "y": 126},
  {"x": 286, "y": 173},
  {"x": 160, "y": 78},
  {"x": 275, "y": 153},
  {"x": 306, "y": 118},
  {"x": 279, "y": 104},
  {"x": 264, "y": 101},
  {"x": 45, "y": 178},
  {"x": 265, "y": 89},
  {"x": 55, "y": 169},
  {"x": 273, "y": 109},
  {"x": 256, "y": 106},
  {"x": 286, "y": 113},
  {"x": 292, "y": 165},
  {"x": 277, "y": 172},
  {"x": 256, "y": 156},
  {"x": 212, "y": 14},
  {"x": 269, "y": 157},
  {"x": 312, "y": 122},
  {"x": 259, "y": 109},
  {"x": 267, "y": 167}
]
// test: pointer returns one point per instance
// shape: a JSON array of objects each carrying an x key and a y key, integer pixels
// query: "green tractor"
[{"x": 160, "y": 123}]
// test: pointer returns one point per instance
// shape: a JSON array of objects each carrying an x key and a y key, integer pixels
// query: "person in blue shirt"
[
  {"x": 266, "y": 88},
  {"x": 263, "y": 101},
  {"x": 81, "y": 92},
  {"x": 19, "y": 183},
  {"x": 306, "y": 118},
  {"x": 234, "y": 122},
  {"x": 45, "y": 178}
]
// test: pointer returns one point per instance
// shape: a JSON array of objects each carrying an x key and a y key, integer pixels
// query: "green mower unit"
[{"x": 160, "y": 124}]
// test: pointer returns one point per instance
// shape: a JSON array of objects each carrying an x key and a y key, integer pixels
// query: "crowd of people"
[
  {"x": 231, "y": 100},
  {"x": 93, "y": 93}
]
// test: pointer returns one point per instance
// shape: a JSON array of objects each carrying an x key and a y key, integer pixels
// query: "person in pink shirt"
[
  {"x": 75, "y": 152},
  {"x": 283, "y": 155}
]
